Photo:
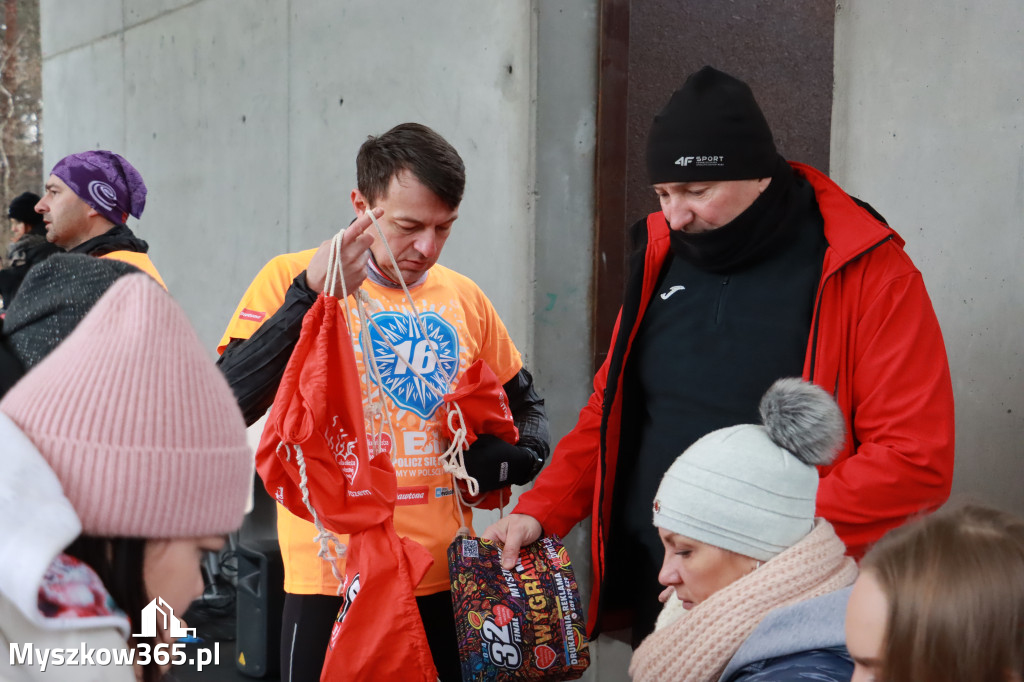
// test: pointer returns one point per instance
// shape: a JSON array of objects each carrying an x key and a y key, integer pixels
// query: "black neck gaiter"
[
  {"x": 753, "y": 235},
  {"x": 117, "y": 238}
]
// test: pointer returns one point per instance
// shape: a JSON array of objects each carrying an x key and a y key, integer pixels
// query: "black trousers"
[{"x": 306, "y": 629}]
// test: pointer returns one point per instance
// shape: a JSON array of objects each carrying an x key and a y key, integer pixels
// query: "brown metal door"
[{"x": 781, "y": 48}]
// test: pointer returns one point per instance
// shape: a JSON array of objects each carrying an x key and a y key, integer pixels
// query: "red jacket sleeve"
[
  {"x": 901, "y": 417},
  {"x": 563, "y": 493}
]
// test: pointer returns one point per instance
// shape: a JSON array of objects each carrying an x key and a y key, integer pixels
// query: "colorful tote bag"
[{"x": 519, "y": 624}]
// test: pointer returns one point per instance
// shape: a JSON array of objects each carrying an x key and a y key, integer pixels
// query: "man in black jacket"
[{"x": 29, "y": 245}]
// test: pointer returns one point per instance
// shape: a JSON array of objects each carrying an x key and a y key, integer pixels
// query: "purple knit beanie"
[
  {"x": 105, "y": 181},
  {"x": 137, "y": 422}
]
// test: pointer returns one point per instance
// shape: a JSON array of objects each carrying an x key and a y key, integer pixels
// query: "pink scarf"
[{"x": 698, "y": 644}]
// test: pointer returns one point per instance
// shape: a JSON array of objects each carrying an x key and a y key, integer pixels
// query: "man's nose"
[
  {"x": 677, "y": 213},
  {"x": 427, "y": 243},
  {"x": 40, "y": 207}
]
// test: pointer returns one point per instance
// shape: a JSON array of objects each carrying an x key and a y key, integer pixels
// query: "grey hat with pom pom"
[{"x": 751, "y": 489}]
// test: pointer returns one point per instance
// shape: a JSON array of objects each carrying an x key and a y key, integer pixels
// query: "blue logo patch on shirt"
[{"x": 437, "y": 367}]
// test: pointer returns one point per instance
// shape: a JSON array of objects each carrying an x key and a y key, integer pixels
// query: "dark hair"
[
  {"x": 954, "y": 582},
  {"x": 119, "y": 564},
  {"x": 418, "y": 149}
]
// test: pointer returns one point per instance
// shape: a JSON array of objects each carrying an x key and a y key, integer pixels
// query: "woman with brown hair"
[{"x": 942, "y": 599}]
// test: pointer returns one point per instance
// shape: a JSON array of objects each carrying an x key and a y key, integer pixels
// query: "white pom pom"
[{"x": 803, "y": 419}]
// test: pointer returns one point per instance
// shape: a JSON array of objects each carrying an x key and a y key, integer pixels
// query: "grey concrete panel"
[
  {"x": 928, "y": 123},
  {"x": 83, "y": 106},
  {"x": 206, "y": 123},
  {"x": 562, "y": 311},
  {"x": 566, "y": 112},
  {"x": 245, "y": 126},
  {"x": 66, "y": 24},
  {"x": 138, "y": 11},
  {"x": 562, "y": 304},
  {"x": 465, "y": 71}
]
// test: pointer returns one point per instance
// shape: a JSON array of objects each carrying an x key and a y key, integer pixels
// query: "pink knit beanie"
[{"x": 137, "y": 422}]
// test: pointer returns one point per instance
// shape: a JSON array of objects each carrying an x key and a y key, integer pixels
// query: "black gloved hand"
[{"x": 496, "y": 464}]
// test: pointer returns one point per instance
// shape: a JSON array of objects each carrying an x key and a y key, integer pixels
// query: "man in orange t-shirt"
[{"x": 413, "y": 180}]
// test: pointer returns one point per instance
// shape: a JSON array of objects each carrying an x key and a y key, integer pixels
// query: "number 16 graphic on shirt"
[{"x": 435, "y": 358}]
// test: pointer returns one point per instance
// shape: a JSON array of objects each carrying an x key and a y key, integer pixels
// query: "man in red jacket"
[{"x": 754, "y": 269}]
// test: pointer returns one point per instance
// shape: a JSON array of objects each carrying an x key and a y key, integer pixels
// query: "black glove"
[{"x": 496, "y": 464}]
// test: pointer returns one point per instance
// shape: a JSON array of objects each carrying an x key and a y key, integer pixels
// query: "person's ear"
[{"x": 359, "y": 202}]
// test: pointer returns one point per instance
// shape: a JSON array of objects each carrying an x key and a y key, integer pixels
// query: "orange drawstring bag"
[
  {"x": 482, "y": 404},
  {"x": 315, "y": 460},
  {"x": 479, "y": 405}
]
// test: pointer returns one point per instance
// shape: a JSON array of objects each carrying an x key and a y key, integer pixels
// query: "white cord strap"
[
  {"x": 335, "y": 272},
  {"x": 452, "y": 459},
  {"x": 326, "y": 538}
]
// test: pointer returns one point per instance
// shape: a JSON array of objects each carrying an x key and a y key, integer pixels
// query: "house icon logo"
[{"x": 156, "y": 610}]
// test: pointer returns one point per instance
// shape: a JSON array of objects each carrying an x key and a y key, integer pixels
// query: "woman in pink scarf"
[{"x": 755, "y": 581}]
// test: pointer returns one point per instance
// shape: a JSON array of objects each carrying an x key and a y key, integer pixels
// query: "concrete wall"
[
  {"x": 244, "y": 119},
  {"x": 567, "y": 35},
  {"x": 928, "y": 127}
]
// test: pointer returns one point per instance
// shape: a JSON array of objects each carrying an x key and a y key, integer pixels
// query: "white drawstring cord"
[
  {"x": 375, "y": 407},
  {"x": 324, "y": 537},
  {"x": 452, "y": 461}
]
